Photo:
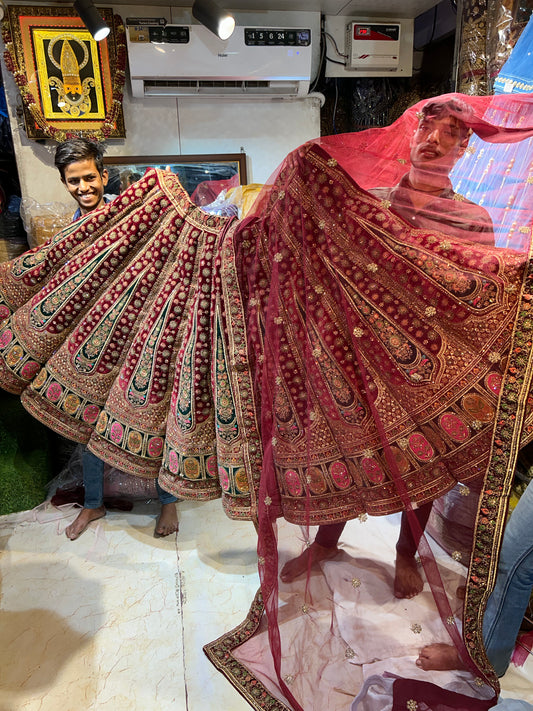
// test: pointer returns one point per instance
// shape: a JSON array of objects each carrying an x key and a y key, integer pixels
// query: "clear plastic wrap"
[{"x": 44, "y": 220}]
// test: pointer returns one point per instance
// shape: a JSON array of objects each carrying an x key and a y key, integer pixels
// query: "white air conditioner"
[{"x": 256, "y": 61}]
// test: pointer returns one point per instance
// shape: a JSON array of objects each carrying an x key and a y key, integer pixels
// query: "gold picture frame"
[{"x": 70, "y": 84}]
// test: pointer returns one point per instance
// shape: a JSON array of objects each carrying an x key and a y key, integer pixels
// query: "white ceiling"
[{"x": 352, "y": 8}]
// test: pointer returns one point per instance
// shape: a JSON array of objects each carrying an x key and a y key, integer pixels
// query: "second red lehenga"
[{"x": 320, "y": 361}]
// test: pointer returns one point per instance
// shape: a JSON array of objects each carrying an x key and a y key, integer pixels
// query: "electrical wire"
[
  {"x": 335, "y": 106},
  {"x": 335, "y": 61},
  {"x": 340, "y": 54},
  {"x": 320, "y": 63}
]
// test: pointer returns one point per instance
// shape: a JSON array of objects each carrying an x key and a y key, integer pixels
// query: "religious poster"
[{"x": 70, "y": 84}]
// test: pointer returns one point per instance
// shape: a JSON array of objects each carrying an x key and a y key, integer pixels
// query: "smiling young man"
[{"x": 81, "y": 165}]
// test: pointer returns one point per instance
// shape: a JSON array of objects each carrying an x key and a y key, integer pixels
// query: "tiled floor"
[{"x": 117, "y": 620}]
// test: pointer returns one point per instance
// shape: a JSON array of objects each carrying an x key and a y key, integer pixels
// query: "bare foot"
[
  {"x": 82, "y": 520},
  {"x": 167, "y": 521},
  {"x": 299, "y": 566},
  {"x": 408, "y": 581},
  {"x": 440, "y": 657}
]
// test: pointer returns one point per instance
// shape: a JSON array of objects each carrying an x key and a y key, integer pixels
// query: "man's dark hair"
[
  {"x": 76, "y": 149},
  {"x": 439, "y": 108}
]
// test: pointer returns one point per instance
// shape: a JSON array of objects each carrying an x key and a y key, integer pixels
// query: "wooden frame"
[
  {"x": 70, "y": 84},
  {"x": 193, "y": 170}
]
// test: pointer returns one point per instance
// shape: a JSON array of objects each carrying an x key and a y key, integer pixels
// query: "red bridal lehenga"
[{"x": 330, "y": 358}]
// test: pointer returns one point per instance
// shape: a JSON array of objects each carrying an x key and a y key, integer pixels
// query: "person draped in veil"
[{"x": 425, "y": 198}]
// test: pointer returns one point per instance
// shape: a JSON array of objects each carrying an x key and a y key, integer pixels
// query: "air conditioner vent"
[{"x": 186, "y": 87}]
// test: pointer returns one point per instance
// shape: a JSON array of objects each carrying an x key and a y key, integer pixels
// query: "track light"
[
  {"x": 217, "y": 20},
  {"x": 92, "y": 19}
]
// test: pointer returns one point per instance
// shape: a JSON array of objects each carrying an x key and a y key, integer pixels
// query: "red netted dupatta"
[{"x": 391, "y": 347}]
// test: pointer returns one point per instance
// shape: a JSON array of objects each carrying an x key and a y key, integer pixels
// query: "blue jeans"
[
  {"x": 93, "y": 481},
  {"x": 514, "y": 581}
]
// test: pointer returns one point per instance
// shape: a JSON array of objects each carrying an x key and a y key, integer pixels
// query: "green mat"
[{"x": 26, "y": 460}]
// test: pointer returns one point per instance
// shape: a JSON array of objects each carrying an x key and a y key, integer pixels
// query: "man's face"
[
  {"x": 85, "y": 184},
  {"x": 438, "y": 143}
]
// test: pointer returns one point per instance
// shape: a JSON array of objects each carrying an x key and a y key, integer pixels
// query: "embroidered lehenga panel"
[{"x": 111, "y": 333}]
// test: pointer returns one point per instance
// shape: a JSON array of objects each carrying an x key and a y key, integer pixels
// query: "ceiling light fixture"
[
  {"x": 92, "y": 19},
  {"x": 220, "y": 22}
]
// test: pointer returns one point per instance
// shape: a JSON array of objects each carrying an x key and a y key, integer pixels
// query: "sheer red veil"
[{"x": 390, "y": 347}]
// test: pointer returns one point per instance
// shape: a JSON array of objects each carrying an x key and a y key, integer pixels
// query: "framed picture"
[
  {"x": 202, "y": 176},
  {"x": 70, "y": 84}
]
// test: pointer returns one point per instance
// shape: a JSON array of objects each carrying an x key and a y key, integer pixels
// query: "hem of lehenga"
[{"x": 220, "y": 654}]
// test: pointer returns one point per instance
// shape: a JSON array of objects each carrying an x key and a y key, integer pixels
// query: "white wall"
[{"x": 265, "y": 130}]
